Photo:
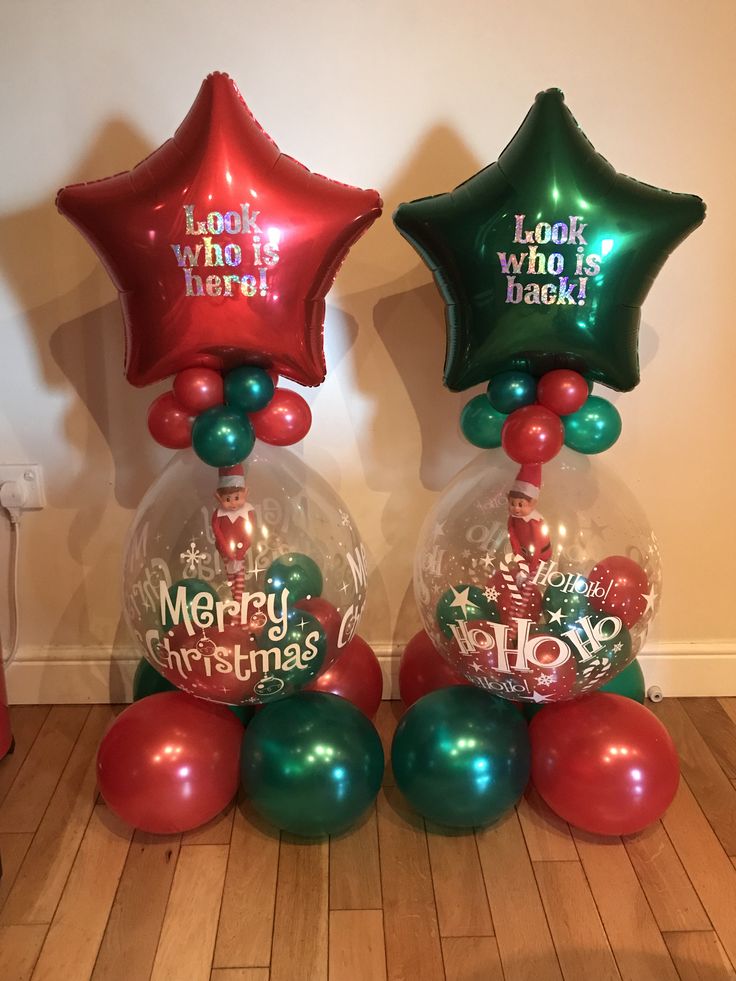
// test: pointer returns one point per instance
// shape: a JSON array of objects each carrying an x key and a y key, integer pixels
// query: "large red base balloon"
[
  {"x": 170, "y": 762},
  {"x": 356, "y": 675},
  {"x": 604, "y": 763},
  {"x": 423, "y": 670}
]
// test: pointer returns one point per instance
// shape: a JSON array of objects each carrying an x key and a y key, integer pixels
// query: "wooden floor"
[{"x": 82, "y": 897}]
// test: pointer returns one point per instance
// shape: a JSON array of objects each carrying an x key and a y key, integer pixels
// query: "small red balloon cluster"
[
  {"x": 532, "y": 418},
  {"x": 221, "y": 415}
]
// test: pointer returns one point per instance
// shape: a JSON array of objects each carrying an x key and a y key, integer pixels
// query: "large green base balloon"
[
  {"x": 461, "y": 756},
  {"x": 311, "y": 764}
]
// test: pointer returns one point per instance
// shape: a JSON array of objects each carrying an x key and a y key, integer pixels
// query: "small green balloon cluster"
[
  {"x": 223, "y": 434},
  {"x": 591, "y": 424}
]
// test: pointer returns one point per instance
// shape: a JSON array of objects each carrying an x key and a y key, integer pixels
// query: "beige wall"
[{"x": 410, "y": 98}]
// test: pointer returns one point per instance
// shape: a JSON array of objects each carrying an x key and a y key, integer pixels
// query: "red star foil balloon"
[{"x": 222, "y": 247}]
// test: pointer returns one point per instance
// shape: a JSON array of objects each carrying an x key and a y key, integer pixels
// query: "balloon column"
[
  {"x": 537, "y": 574},
  {"x": 244, "y": 576}
]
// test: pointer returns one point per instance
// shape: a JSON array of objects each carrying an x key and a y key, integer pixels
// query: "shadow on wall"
[
  {"x": 84, "y": 349},
  {"x": 408, "y": 315},
  {"x": 104, "y": 428}
]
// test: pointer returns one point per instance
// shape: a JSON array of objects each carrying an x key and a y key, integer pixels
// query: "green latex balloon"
[
  {"x": 593, "y": 428},
  {"x": 512, "y": 390},
  {"x": 248, "y": 388},
  {"x": 464, "y": 602},
  {"x": 296, "y": 572},
  {"x": 629, "y": 683},
  {"x": 544, "y": 258},
  {"x": 562, "y": 609},
  {"x": 147, "y": 681},
  {"x": 300, "y": 628},
  {"x": 311, "y": 764},
  {"x": 481, "y": 424},
  {"x": 461, "y": 756},
  {"x": 192, "y": 587},
  {"x": 222, "y": 437}
]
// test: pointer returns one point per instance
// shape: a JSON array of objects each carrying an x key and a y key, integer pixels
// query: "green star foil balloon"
[{"x": 545, "y": 257}]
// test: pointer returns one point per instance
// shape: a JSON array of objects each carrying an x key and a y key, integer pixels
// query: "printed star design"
[
  {"x": 461, "y": 600},
  {"x": 344, "y": 588},
  {"x": 537, "y": 697},
  {"x": 487, "y": 561},
  {"x": 439, "y": 529},
  {"x": 650, "y": 597},
  {"x": 302, "y": 623},
  {"x": 550, "y": 174},
  {"x": 490, "y": 593},
  {"x": 476, "y": 667},
  {"x": 221, "y": 160},
  {"x": 556, "y": 617},
  {"x": 466, "y": 553}
]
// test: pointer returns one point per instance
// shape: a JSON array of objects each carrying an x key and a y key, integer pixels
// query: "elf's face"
[
  {"x": 232, "y": 499},
  {"x": 520, "y": 507}
]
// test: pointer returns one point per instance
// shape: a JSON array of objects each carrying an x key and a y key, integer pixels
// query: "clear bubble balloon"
[
  {"x": 242, "y": 586},
  {"x": 566, "y": 562}
]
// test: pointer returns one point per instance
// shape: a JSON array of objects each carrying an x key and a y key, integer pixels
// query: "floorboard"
[{"x": 82, "y": 898}]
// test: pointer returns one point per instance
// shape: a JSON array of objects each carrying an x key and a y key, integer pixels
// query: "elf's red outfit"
[
  {"x": 232, "y": 531},
  {"x": 529, "y": 534}
]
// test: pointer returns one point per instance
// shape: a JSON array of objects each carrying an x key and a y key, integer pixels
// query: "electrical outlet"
[{"x": 29, "y": 477}]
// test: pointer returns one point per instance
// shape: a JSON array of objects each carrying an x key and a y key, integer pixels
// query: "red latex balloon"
[
  {"x": 197, "y": 389},
  {"x": 604, "y": 763},
  {"x": 356, "y": 675},
  {"x": 222, "y": 247},
  {"x": 423, "y": 670},
  {"x": 170, "y": 762},
  {"x": 627, "y": 588},
  {"x": 285, "y": 420},
  {"x": 328, "y": 617},
  {"x": 236, "y": 665},
  {"x": 538, "y": 683},
  {"x": 170, "y": 424},
  {"x": 532, "y": 434},
  {"x": 562, "y": 391}
]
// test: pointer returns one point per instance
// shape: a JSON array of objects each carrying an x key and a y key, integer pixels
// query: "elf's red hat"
[
  {"x": 231, "y": 476},
  {"x": 528, "y": 480}
]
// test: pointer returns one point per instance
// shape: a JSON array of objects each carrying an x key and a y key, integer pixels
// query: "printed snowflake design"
[
  {"x": 191, "y": 558},
  {"x": 617, "y": 648},
  {"x": 344, "y": 518},
  {"x": 545, "y": 681},
  {"x": 491, "y": 593},
  {"x": 466, "y": 553}
]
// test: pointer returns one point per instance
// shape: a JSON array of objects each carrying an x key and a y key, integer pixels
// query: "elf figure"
[
  {"x": 527, "y": 528},
  {"x": 528, "y": 534},
  {"x": 232, "y": 526}
]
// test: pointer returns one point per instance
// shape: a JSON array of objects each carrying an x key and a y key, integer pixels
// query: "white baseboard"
[{"x": 96, "y": 675}]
